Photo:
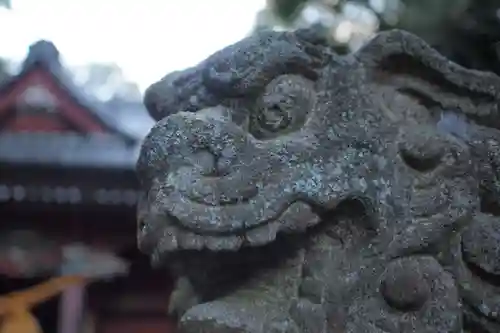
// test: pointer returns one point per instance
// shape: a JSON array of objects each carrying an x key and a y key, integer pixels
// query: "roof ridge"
[{"x": 44, "y": 53}]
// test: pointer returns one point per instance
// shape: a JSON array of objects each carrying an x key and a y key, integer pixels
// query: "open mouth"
[
  {"x": 214, "y": 274},
  {"x": 219, "y": 265},
  {"x": 215, "y": 265}
]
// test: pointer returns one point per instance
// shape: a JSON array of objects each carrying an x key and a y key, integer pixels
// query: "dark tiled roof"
[{"x": 132, "y": 117}]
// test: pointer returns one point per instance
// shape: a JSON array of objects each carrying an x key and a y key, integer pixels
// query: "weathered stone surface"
[{"x": 293, "y": 190}]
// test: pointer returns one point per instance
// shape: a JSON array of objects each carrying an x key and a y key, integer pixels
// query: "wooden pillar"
[{"x": 71, "y": 309}]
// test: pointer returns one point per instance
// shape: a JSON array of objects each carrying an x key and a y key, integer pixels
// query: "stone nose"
[{"x": 206, "y": 140}]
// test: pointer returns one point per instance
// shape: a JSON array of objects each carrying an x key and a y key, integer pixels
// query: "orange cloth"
[{"x": 15, "y": 307}]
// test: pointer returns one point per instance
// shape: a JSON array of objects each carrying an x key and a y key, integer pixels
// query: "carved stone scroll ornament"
[{"x": 294, "y": 190}]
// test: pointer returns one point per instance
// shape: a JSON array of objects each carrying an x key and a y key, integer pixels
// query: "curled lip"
[{"x": 174, "y": 236}]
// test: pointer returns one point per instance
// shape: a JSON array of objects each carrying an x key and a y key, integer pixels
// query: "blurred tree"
[
  {"x": 466, "y": 31},
  {"x": 106, "y": 81},
  {"x": 5, "y": 3}
]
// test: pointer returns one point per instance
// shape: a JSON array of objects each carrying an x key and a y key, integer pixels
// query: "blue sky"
[{"x": 147, "y": 38}]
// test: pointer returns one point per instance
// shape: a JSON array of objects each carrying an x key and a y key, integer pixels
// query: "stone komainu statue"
[{"x": 294, "y": 190}]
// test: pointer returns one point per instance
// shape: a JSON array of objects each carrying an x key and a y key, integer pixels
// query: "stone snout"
[
  {"x": 210, "y": 184},
  {"x": 198, "y": 177}
]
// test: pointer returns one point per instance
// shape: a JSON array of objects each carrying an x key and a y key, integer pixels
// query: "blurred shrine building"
[{"x": 67, "y": 177}]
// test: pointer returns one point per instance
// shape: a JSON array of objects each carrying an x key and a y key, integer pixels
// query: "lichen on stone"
[{"x": 290, "y": 189}]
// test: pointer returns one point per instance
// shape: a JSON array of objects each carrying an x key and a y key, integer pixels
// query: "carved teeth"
[
  {"x": 223, "y": 243},
  {"x": 174, "y": 239},
  {"x": 295, "y": 218},
  {"x": 183, "y": 297},
  {"x": 155, "y": 258},
  {"x": 262, "y": 234},
  {"x": 190, "y": 241},
  {"x": 169, "y": 241}
]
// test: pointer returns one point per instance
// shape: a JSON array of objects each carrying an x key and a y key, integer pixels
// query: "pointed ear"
[{"x": 403, "y": 67}]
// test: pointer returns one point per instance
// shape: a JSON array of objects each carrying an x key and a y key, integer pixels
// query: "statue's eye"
[
  {"x": 275, "y": 117},
  {"x": 283, "y": 107}
]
